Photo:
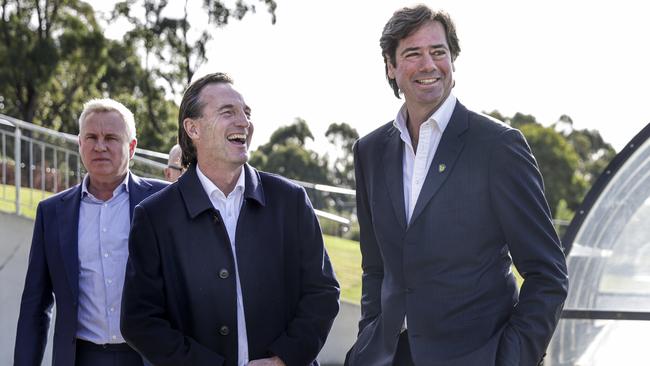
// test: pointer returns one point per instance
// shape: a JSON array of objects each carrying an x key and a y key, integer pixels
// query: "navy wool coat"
[{"x": 179, "y": 301}]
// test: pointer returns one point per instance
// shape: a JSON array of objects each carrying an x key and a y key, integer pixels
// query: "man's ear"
[
  {"x": 132, "y": 144},
  {"x": 390, "y": 69},
  {"x": 191, "y": 128}
]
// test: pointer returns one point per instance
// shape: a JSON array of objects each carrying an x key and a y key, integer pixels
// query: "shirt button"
[
  {"x": 104, "y": 229},
  {"x": 109, "y": 281},
  {"x": 114, "y": 336},
  {"x": 223, "y": 273},
  {"x": 106, "y": 255},
  {"x": 224, "y": 330},
  {"x": 112, "y": 309}
]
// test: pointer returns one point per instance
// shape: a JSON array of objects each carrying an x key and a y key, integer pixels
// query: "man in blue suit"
[
  {"x": 227, "y": 265},
  {"x": 447, "y": 200},
  {"x": 80, "y": 248}
]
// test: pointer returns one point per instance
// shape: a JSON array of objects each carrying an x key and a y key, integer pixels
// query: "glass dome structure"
[{"x": 606, "y": 320}]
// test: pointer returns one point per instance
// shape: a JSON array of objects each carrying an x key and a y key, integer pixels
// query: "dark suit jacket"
[
  {"x": 482, "y": 204},
  {"x": 179, "y": 300},
  {"x": 53, "y": 270}
]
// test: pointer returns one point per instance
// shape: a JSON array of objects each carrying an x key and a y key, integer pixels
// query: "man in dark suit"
[
  {"x": 79, "y": 250},
  {"x": 447, "y": 200},
  {"x": 227, "y": 265}
]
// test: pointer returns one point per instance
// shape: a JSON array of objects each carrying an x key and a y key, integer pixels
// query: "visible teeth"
[
  {"x": 237, "y": 136},
  {"x": 426, "y": 81}
]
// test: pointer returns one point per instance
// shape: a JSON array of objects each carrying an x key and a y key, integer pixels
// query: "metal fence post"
[{"x": 17, "y": 174}]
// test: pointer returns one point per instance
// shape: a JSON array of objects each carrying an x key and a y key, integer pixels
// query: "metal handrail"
[{"x": 604, "y": 314}]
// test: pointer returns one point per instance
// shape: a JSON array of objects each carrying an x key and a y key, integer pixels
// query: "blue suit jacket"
[
  {"x": 53, "y": 271},
  {"x": 179, "y": 300},
  {"x": 482, "y": 204}
]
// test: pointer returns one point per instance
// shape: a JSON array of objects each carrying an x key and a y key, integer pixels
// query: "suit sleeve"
[
  {"x": 319, "y": 302},
  {"x": 143, "y": 322},
  {"x": 36, "y": 302},
  {"x": 371, "y": 261},
  {"x": 517, "y": 193}
]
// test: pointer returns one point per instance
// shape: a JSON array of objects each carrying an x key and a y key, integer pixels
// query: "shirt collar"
[
  {"x": 440, "y": 117},
  {"x": 210, "y": 187},
  {"x": 124, "y": 185}
]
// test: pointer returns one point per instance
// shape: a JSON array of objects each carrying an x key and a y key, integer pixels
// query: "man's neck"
[
  {"x": 103, "y": 189},
  {"x": 224, "y": 177}
]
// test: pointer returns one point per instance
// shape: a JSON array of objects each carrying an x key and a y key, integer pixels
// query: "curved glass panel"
[{"x": 609, "y": 269}]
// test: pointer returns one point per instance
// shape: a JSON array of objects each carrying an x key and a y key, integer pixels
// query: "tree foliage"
[
  {"x": 342, "y": 136},
  {"x": 570, "y": 160}
]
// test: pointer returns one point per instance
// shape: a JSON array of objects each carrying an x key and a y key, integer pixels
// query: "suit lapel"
[
  {"x": 137, "y": 192},
  {"x": 67, "y": 212},
  {"x": 451, "y": 144},
  {"x": 393, "y": 174}
]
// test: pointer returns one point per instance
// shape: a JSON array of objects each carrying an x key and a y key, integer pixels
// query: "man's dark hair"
[
  {"x": 405, "y": 22},
  {"x": 192, "y": 107}
]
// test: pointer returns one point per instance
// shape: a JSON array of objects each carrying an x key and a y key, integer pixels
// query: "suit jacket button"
[
  {"x": 223, "y": 273},
  {"x": 224, "y": 330}
]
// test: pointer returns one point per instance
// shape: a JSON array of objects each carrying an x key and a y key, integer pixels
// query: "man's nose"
[
  {"x": 427, "y": 64},
  {"x": 100, "y": 145},
  {"x": 242, "y": 120}
]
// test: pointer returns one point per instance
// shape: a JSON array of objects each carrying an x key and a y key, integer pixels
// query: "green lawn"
[
  {"x": 29, "y": 199},
  {"x": 346, "y": 260}
]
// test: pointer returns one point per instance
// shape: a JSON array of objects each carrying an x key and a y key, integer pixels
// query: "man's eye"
[
  {"x": 439, "y": 53},
  {"x": 412, "y": 55}
]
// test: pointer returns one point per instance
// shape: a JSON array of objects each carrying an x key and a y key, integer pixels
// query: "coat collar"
[{"x": 197, "y": 201}]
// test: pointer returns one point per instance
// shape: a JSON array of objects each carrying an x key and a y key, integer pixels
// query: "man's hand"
[{"x": 273, "y": 361}]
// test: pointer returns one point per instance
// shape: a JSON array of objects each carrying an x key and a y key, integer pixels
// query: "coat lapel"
[
  {"x": 67, "y": 212},
  {"x": 393, "y": 174},
  {"x": 451, "y": 144}
]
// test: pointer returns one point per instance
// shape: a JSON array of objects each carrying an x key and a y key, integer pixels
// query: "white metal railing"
[
  {"x": 47, "y": 161},
  {"x": 47, "y": 165}
]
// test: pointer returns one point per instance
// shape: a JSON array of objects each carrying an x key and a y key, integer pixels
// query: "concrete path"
[{"x": 15, "y": 241}]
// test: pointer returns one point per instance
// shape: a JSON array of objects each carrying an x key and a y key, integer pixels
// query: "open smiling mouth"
[
  {"x": 427, "y": 81},
  {"x": 237, "y": 138}
]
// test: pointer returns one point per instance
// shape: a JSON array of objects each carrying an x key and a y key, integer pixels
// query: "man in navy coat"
[
  {"x": 79, "y": 250},
  {"x": 227, "y": 265},
  {"x": 447, "y": 199}
]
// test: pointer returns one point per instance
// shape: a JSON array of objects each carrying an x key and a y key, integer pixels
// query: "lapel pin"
[{"x": 441, "y": 168}]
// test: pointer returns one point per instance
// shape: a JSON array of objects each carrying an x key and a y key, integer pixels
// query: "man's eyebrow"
[{"x": 225, "y": 106}]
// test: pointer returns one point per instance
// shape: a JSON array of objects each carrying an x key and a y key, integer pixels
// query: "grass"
[
  {"x": 346, "y": 260},
  {"x": 29, "y": 199}
]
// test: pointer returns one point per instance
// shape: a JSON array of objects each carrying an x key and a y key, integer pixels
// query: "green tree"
[
  {"x": 343, "y": 137},
  {"x": 286, "y": 154},
  {"x": 558, "y": 163}
]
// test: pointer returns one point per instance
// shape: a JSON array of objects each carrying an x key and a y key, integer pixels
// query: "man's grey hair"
[{"x": 109, "y": 105}]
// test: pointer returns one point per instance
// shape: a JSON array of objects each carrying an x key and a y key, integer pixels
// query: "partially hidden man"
[
  {"x": 227, "y": 265},
  {"x": 80, "y": 248},
  {"x": 447, "y": 200}
]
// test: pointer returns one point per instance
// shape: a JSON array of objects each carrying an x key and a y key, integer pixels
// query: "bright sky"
[{"x": 322, "y": 62}]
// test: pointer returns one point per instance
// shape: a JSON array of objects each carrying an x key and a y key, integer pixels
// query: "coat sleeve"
[
  {"x": 318, "y": 304},
  {"x": 372, "y": 263},
  {"x": 36, "y": 302},
  {"x": 517, "y": 194},
  {"x": 143, "y": 322}
]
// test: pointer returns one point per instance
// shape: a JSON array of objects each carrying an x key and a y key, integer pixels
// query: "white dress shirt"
[
  {"x": 103, "y": 249},
  {"x": 229, "y": 208},
  {"x": 416, "y": 164}
]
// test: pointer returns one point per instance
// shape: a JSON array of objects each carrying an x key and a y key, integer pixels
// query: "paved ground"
[{"x": 15, "y": 239}]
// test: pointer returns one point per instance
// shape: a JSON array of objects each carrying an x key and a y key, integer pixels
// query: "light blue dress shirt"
[{"x": 103, "y": 251}]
